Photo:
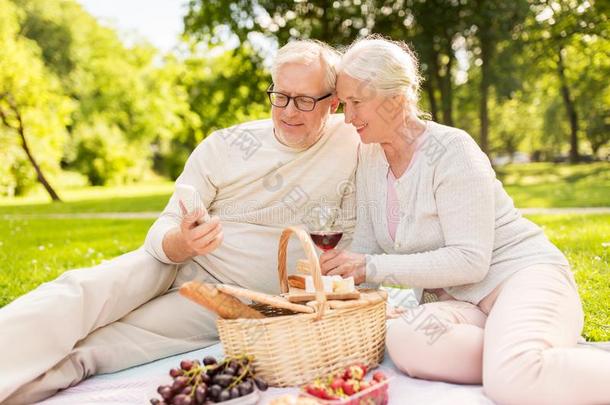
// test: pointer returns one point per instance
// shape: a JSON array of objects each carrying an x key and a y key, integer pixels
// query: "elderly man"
[{"x": 255, "y": 179}]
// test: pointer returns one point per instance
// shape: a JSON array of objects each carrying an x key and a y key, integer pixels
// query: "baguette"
[{"x": 224, "y": 305}]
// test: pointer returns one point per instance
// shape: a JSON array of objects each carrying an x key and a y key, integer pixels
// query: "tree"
[
  {"x": 31, "y": 105},
  {"x": 220, "y": 91},
  {"x": 559, "y": 32},
  {"x": 18, "y": 126},
  {"x": 493, "y": 21},
  {"x": 120, "y": 93}
]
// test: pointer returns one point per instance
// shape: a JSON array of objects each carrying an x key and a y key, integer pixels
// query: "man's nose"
[{"x": 291, "y": 108}]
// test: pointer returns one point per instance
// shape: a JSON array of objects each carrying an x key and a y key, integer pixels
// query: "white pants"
[
  {"x": 520, "y": 342},
  {"x": 101, "y": 319}
]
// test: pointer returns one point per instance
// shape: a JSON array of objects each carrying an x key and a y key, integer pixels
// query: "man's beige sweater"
[{"x": 258, "y": 186}]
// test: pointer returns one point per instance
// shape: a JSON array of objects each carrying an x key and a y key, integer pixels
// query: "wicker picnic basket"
[{"x": 294, "y": 344}]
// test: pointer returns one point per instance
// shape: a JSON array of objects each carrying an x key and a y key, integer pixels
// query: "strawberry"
[
  {"x": 364, "y": 385},
  {"x": 379, "y": 376},
  {"x": 315, "y": 390},
  {"x": 364, "y": 368},
  {"x": 337, "y": 383},
  {"x": 327, "y": 393},
  {"x": 354, "y": 372},
  {"x": 350, "y": 387}
]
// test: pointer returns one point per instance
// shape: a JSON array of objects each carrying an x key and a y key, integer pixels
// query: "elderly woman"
[{"x": 433, "y": 216}]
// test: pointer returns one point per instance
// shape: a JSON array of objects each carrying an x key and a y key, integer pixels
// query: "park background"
[{"x": 104, "y": 120}]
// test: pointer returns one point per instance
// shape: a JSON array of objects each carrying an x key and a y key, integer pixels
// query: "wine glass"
[{"x": 321, "y": 221}]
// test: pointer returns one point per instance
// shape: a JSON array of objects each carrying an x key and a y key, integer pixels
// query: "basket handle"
[{"x": 310, "y": 252}]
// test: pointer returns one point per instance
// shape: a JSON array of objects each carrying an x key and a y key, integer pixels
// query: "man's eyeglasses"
[{"x": 303, "y": 103}]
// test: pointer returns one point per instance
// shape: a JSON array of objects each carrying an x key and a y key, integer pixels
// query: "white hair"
[
  {"x": 389, "y": 67},
  {"x": 307, "y": 52}
]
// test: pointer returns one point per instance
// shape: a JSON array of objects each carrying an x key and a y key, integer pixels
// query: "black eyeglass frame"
[{"x": 296, "y": 99}]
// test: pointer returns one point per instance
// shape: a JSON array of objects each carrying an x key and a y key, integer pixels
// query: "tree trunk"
[
  {"x": 429, "y": 85},
  {"x": 570, "y": 108},
  {"x": 484, "y": 91},
  {"x": 447, "y": 93},
  {"x": 24, "y": 144}
]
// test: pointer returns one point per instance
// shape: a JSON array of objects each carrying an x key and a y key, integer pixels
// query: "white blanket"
[{"x": 138, "y": 384}]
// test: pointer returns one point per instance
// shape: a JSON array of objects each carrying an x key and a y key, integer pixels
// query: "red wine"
[{"x": 326, "y": 240}]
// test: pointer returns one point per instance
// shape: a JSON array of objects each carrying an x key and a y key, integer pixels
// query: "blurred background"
[
  {"x": 102, "y": 101},
  {"x": 114, "y": 92}
]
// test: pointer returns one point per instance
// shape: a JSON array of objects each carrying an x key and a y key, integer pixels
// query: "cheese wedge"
[
  {"x": 332, "y": 284},
  {"x": 327, "y": 282},
  {"x": 343, "y": 285}
]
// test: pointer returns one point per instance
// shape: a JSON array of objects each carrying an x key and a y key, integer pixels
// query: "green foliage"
[
  {"x": 221, "y": 91},
  {"x": 92, "y": 104},
  {"x": 104, "y": 155},
  {"x": 37, "y": 95},
  {"x": 508, "y": 48}
]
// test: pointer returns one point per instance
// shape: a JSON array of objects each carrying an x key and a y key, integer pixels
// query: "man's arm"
[
  {"x": 190, "y": 239},
  {"x": 172, "y": 239}
]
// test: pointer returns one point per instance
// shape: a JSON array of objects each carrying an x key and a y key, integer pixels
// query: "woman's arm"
[{"x": 464, "y": 195}]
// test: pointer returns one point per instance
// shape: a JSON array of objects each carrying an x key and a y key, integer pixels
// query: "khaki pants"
[
  {"x": 520, "y": 342},
  {"x": 101, "y": 319}
]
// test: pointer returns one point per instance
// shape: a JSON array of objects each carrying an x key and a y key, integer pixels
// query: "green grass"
[
  {"x": 585, "y": 240},
  {"x": 541, "y": 185},
  {"x": 35, "y": 251},
  {"x": 544, "y": 185},
  {"x": 132, "y": 198}
]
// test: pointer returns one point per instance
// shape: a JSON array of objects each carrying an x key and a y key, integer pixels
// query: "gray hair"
[
  {"x": 389, "y": 67},
  {"x": 307, "y": 52}
]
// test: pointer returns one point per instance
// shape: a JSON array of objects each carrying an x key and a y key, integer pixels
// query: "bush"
[{"x": 102, "y": 153}]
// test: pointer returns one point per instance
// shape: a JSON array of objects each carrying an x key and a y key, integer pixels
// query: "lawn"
[
  {"x": 37, "y": 249},
  {"x": 33, "y": 251},
  {"x": 585, "y": 239},
  {"x": 132, "y": 198},
  {"x": 544, "y": 185},
  {"x": 540, "y": 185}
]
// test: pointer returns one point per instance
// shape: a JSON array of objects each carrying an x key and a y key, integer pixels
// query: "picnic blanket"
[{"x": 138, "y": 384}]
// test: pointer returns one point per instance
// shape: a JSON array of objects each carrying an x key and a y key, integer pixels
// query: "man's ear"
[{"x": 334, "y": 104}]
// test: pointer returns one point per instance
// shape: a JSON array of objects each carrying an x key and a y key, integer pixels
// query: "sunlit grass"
[
  {"x": 129, "y": 198},
  {"x": 585, "y": 240},
  {"x": 545, "y": 185},
  {"x": 35, "y": 251}
]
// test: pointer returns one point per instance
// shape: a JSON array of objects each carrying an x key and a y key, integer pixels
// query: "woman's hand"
[{"x": 344, "y": 264}]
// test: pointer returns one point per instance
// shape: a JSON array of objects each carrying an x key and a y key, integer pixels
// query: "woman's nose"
[{"x": 347, "y": 113}]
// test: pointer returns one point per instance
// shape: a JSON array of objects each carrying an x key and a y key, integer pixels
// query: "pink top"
[
  {"x": 392, "y": 205},
  {"x": 393, "y": 214}
]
